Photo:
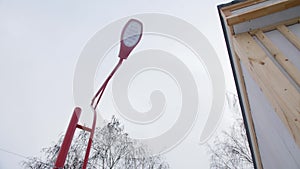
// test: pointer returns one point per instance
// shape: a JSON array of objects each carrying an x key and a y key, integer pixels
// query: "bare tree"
[
  {"x": 112, "y": 149},
  {"x": 230, "y": 150}
]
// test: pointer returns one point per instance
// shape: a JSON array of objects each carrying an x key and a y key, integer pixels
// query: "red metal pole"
[
  {"x": 124, "y": 52},
  {"x": 63, "y": 152},
  {"x": 99, "y": 93},
  {"x": 88, "y": 149},
  {"x": 102, "y": 88}
]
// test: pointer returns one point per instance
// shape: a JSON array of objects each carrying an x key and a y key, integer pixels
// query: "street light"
[{"x": 130, "y": 37}]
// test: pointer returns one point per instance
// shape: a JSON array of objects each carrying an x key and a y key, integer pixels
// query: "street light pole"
[{"x": 130, "y": 37}]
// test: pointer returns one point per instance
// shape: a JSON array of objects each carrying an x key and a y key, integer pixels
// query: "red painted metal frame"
[
  {"x": 102, "y": 88},
  {"x": 88, "y": 149},
  {"x": 63, "y": 152}
]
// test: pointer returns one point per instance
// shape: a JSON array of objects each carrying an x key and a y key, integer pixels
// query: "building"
[{"x": 263, "y": 41}]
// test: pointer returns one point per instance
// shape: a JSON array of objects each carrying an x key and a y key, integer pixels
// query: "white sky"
[{"x": 40, "y": 43}]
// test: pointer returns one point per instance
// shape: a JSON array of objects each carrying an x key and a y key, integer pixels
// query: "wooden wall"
[{"x": 264, "y": 42}]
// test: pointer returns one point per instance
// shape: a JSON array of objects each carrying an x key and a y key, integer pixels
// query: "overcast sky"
[{"x": 40, "y": 43}]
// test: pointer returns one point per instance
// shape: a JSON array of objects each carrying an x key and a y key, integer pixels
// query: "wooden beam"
[
  {"x": 230, "y": 28},
  {"x": 262, "y": 11},
  {"x": 272, "y": 27},
  {"x": 282, "y": 95},
  {"x": 248, "y": 112},
  {"x": 289, "y": 67},
  {"x": 241, "y": 5},
  {"x": 289, "y": 35}
]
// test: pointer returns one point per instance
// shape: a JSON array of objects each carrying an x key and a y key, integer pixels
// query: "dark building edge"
[{"x": 236, "y": 78}]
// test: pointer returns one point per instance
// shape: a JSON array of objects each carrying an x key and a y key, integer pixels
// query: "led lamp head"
[{"x": 131, "y": 35}]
